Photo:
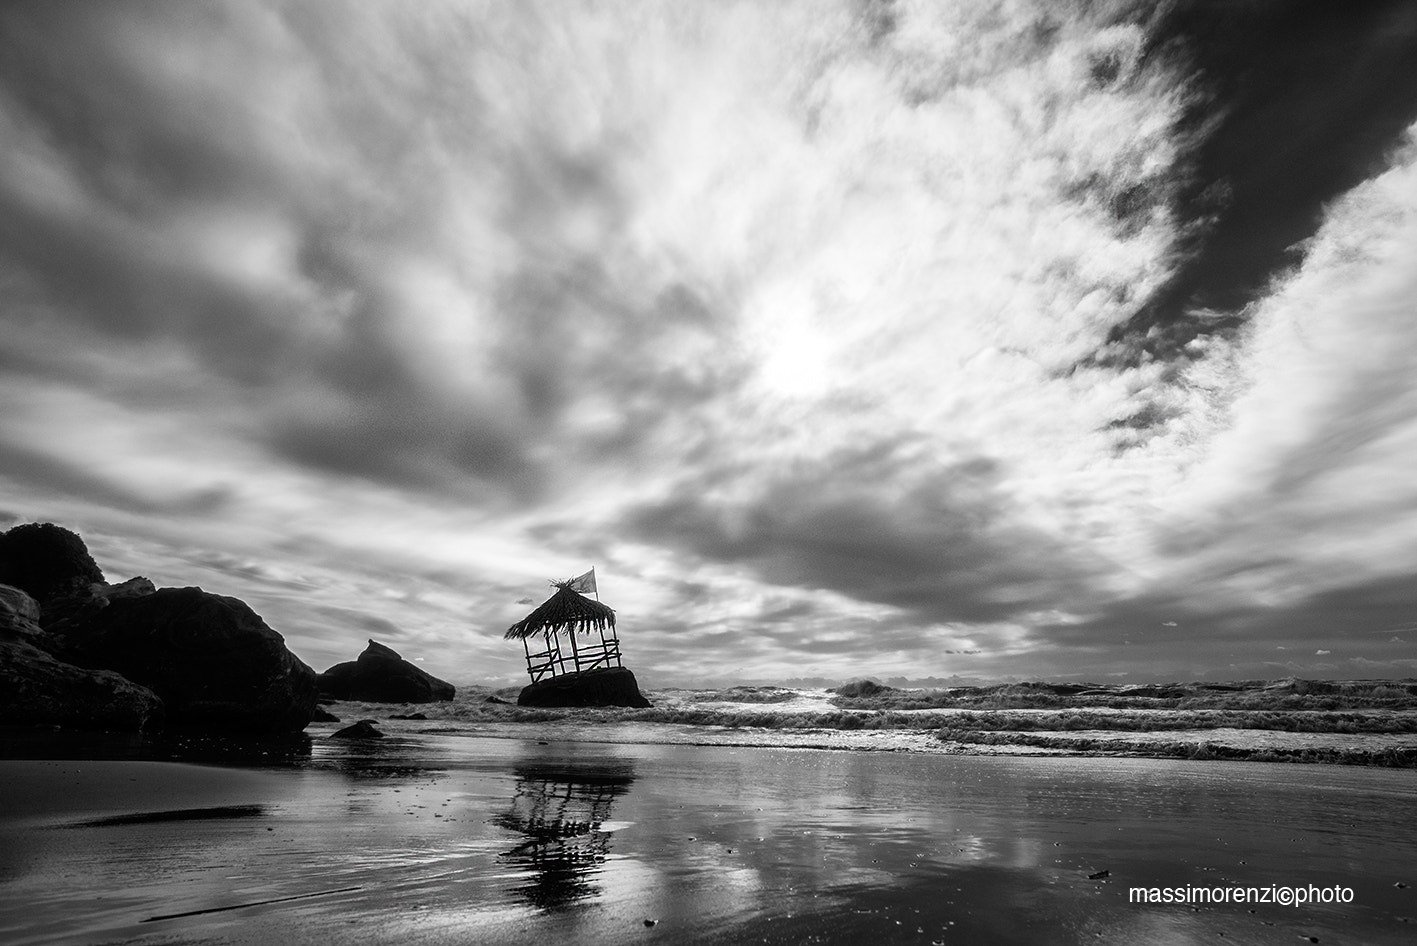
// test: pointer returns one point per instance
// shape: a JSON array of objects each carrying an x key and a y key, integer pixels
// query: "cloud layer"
[{"x": 873, "y": 337}]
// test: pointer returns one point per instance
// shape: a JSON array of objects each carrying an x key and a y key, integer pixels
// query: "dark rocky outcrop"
[
  {"x": 364, "y": 729},
  {"x": 46, "y": 561},
  {"x": 380, "y": 675},
  {"x": 213, "y": 661},
  {"x": 322, "y": 715},
  {"x": 612, "y": 686},
  {"x": 75, "y": 651}
]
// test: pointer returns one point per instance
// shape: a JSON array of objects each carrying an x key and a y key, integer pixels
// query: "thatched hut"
[{"x": 563, "y": 616}]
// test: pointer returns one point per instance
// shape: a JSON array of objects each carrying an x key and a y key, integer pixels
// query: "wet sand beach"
[{"x": 427, "y": 838}]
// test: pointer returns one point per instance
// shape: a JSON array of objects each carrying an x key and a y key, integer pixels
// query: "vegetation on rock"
[{"x": 46, "y": 561}]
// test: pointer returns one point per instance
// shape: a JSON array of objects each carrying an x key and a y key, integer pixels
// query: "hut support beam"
[{"x": 575, "y": 654}]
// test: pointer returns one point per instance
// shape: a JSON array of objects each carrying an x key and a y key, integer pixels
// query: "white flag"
[{"x": 583, "y": 583}]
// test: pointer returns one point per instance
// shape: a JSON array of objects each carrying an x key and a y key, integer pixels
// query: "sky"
[{"x": 961, "y": 340}]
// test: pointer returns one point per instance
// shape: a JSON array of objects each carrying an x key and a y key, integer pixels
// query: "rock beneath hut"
[
  {"x": 610, "y": 686},
  {"x": 213, "y": 661},
  {"x": 380, "y": 675}
]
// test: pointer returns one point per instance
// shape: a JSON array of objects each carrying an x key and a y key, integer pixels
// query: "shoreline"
[
  {"x": 1391, "y": 751},
  {"x": 777, "y": 717},
  {"x": 1365, "y": 736},
  {"x": 1378, "y": 750}
]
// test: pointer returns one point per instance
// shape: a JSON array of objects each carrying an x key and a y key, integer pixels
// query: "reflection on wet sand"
[
  {"x": 383, "y": 760},
  {"x": 562, "y": 808}
]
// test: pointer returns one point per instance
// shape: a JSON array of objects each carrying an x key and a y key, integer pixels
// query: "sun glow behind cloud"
[{"x": 798, "y": 320}]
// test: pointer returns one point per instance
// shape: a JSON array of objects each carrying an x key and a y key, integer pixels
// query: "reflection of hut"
[
  {"x": 560, "y": 810},
  {"x": 566, "y": 614}
]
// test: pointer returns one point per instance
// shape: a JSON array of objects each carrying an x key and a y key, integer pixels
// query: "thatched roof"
[{"x": 566, "y": 610}]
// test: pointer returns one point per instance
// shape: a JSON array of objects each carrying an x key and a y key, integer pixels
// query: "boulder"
[
  {"x": 19, "y": 615},
  {"x": 46, "y": 561},
  {"x": 364, "y": 729},
  {"x": 36, "y": 689},
  {"x": 380, "y": 675},
  {"x": 66, "y": 612},
  {"x": 611, "y": 686},
  {"x": 213, "y": 661}
]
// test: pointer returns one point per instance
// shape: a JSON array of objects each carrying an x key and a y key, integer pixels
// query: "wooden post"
[{"x": 575, "y": 654}]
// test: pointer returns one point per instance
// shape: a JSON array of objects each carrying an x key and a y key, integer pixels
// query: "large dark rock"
[
  {"x": 46, "y": 561},
  {"x": 213, "y": 661},
  {"x": 380, "y": 675},
  {"x": 38, "y": 690},
  {"x": 612, "y": 686}
]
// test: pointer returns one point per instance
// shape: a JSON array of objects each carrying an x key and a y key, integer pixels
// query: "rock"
[
  {"x": 408, "y": 716},
  {"x": 46, "y": 561},
  {"x": 132, "y": 588},
  {"x": 19, "y": 615},
  {"x": 364, "y": 729},
  {"x": 611, "y": 686},
  {"x": 321, "y": 715},
  {"x": 64, "y": 613},
  {"x": 213, "y": 661},
  {"x": 36, "y": 689},
  {"x": 380, "y": 675}
]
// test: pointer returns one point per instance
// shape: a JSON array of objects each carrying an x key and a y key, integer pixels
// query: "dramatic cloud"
[{"x": 995, "y": 339}]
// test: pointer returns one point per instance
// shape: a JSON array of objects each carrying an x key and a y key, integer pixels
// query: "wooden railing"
[{"x": 555, "y": 660}]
